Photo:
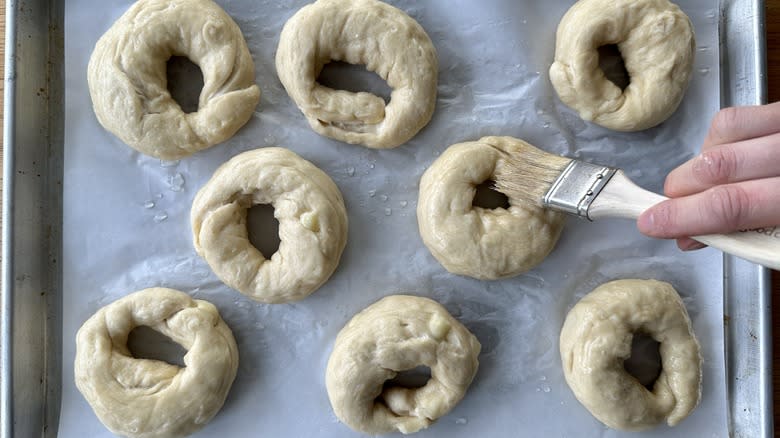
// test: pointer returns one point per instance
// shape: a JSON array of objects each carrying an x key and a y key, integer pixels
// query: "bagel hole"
[
  {"x": 185, "y": 82},
  {"x": 487, "y": 197},
  {"x": 147, "y": 343},
  {"x": 410, "y": 379},
  {"x": 355, "y": 78},
  {"x": 263, "y": 229},
  {"x": 644, "y": 364},
  {"x": 612, "y": 64}
]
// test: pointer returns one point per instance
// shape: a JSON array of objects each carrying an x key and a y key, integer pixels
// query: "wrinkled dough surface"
[
  {"x": 312, "y": 224},
  {"x": 363, "y": 32},
  {"x": 596, "y": 339},
  {"x": 474, "y": 241},
  {"x": 656, "y": 41},
  {"x": 128, "y": 84},
  {"x": 399, "y": 333},
  {"x": 144, "y": 398}
]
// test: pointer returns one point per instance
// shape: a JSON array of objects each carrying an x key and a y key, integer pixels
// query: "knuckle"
[
  {"x": 716, "y": 166},
  {"x": 730, "y": 206},
  {"x": 725, "y": 121}
]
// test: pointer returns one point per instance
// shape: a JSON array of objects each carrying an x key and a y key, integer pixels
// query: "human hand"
[{"x": 733, "y": 184}]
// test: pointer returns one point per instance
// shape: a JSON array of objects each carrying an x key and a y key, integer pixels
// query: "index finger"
[
  {"x": 729, "y": 163},
  {"x": 734, "y": 124}
]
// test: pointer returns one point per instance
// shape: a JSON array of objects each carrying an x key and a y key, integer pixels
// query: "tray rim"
[
  {"x": 6, "y": 302},
  {"x": 743, "y": 82},
  {"x": 31, "y": 302},
  {"x": 747, "y": 316}
]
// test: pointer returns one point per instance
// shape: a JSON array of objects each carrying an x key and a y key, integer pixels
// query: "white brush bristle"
[{"x": 528, "y": 175}]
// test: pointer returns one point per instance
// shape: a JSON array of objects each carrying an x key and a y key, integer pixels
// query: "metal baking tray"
[{"x": 31, "y": 306}]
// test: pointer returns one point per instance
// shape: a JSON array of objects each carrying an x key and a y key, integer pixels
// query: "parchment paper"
[{"x": 126, "y": 227}]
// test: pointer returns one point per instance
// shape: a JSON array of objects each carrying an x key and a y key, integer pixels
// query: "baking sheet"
[{"x": 126, "y": 227}]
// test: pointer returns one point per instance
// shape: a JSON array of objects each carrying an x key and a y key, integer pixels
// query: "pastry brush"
[{"x": 593, "y": 192}]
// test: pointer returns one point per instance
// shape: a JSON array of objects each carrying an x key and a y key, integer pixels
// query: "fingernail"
[
  {"x": 655, "y": 221},
  {"x": 692, "y": 246},
  {"x": 646, "y": 222},
  {"x": 671, "y": 183}
]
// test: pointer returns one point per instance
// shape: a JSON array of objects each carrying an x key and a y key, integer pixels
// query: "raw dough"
[
  {"x": 656, "y": 41},
  {"x": 144, "y": 398},
  {"x": 596, "y": 339},
  {"x": 312, "y": 224},
  {"x": 366, "y": 32},
  {"x": 395, "y": 334},
  {"x": 481, "y": 243},
  {"x": 128, "y": 85}
]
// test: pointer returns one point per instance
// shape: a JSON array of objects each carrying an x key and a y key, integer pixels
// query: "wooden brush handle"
[{"x": 622, "y": 198}]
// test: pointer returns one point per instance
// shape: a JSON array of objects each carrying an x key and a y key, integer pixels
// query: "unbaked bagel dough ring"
[
  {"x": 145, "y": 398},
  {"x": 366, "y": 32},
  {"x": 312, "y": 224},
  {"x": 474, "y": 241},
  {"x": 395, "y": 334},
  {"x": 596, "y": 339},
  {"x": 656, "y": 41},
  {"x": 128, "y": 84}
]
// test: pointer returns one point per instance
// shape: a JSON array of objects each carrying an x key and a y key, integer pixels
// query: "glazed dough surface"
[
  {"x": 363, "y": 32},
  {"x": 596, "y": 339},
  {"x": 656, "y": 41},
  {"x": 481, "y": 243},
  {"x": 128, "y": 84},
  {"x": 144, "y": 398},
  {"x": 395, "y": 334},
  {"x": 312, "y": 224}
]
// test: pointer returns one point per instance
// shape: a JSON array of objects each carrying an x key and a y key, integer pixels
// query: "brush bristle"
[{"x": 529, "y": 175}]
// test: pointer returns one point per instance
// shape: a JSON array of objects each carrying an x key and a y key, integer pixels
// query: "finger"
[
  {"x": 688, "y": 244},
  {"x": 734, "y": 162},
  {"x": 735, "y": 124},
  {"x": 721, "y": 209}
]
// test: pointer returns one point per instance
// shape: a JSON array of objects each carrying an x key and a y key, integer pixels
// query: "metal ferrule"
[{"x": 576, "y": 187}]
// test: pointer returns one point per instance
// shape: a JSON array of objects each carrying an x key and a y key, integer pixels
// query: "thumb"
[{"x": 656, "y": 221}]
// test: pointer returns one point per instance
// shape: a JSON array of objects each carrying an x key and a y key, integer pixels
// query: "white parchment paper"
[{"x": 126, "y": 227}]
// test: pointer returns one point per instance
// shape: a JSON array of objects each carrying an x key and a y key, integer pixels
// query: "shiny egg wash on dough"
[
  {"x": 473, "y": 241},
  {"x": 656, "y": 41},
  {"x": 596, "y": 338}
]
